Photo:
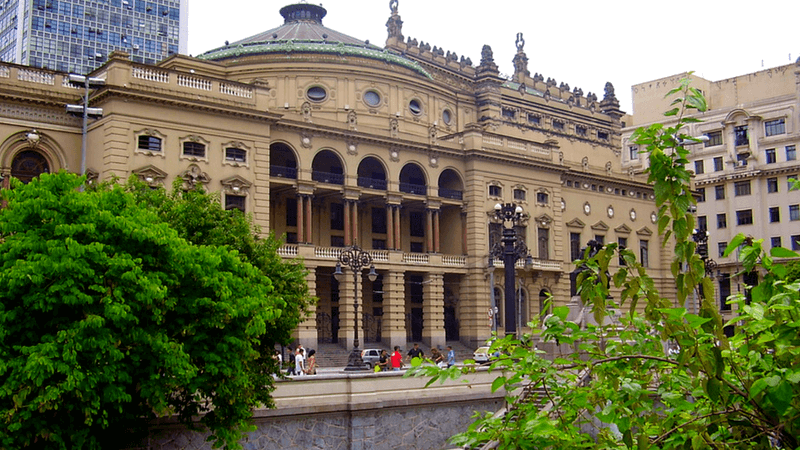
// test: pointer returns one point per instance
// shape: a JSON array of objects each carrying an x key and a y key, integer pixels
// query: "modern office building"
[
  {"x": 743, "y": 167},
  {"x": 78, "y": 36},
  {"x": 329, "y": 141}
]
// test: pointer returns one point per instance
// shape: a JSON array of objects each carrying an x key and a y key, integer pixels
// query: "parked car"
[
  {"x": 481, "y": 355},
  {"x": 371, "y": 356}
]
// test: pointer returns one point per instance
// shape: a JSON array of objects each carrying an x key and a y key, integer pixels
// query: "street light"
[
  {"x": 700, "y": 236},
  {"x": 84, "y": 110},
  {"x": 355, "y": 258},
  {"x": 512, "y": 249}
]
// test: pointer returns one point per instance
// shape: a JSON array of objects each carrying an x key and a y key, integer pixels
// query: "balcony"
[
  {"x": 451, "y": 194},
  {"x": 415, "y": 189},
  {"x": 283, "y": 172},
  {"x": 372, "y": 183},
  {"x": 327, "y": 177}
]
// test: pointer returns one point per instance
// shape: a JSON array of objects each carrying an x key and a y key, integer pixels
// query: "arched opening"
[
  {"x": 371, "y": 174},
  {"x": 450, "y": 185},
  {"x": 412, "y": 180},
  {"x": 29, "y": 164},
  {"x": 327, "y": 168},
  {"x": 282, "y": 161},
  {"x": 498, "y": 303}
]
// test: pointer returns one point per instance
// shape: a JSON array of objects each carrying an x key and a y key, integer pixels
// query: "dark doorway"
[
  {"x": 334, "y": 324},
  {"x": 450, "y": 324},
  {"x": 416, "y": 324}
]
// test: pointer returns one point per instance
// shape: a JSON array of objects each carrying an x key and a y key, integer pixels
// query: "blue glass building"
[{"x": 78, "y": 35}]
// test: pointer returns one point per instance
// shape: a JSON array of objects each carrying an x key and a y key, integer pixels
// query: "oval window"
[
  {"x": 372, "y": 98},
  {"x": 317, "y": 94},
  {"x": 447, "y": 116},
  {"x": 415, "y": 107}
]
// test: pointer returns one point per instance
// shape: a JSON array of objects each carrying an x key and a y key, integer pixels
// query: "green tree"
[
  {"x": 108, "y": 319},
  {"x": 658, "y": 376},
  {"x": 198, "y": 217}
]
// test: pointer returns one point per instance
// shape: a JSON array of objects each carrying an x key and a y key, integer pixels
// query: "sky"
[{"x": 581, "y": 43}]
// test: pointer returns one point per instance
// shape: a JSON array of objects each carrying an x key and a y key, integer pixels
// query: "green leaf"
[
  {"x": 498, "y": 382},
  {"x": 780, "y": 252},
  {"x": 734, "y": 244}
]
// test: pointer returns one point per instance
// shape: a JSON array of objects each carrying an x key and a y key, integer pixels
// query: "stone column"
[
  {"x": 436, "y": 236},
  {"x": 346, "y": 310},
  {"x": 390, "y": 227},
  {"x": 433, "y": 310},
  {"x": 301, "y": 234},
  {"x": 463, "y": 231},
  {"x": 393, "y": 330},
  {"x": 306, "y": 332},
  {"x": 309, "y": 239},
  {"x": 354, "y": 224},
  {"x": 397, "y": 243},
  {"x": 347, "y": 239},
  {"x": 429, "y": 230}
]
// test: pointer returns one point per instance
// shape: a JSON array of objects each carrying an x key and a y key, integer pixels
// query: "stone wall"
[{"x": 423, "y": 427}]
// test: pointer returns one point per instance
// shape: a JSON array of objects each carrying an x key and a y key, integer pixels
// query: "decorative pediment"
[
  {"x": 644, "y": 231},
  {"x": 193, "y": 176},
  {"x": 235, "y": 185},
  {"x": 623, "y": 229},
  {"x": 151, "y": 175},
  {"x": 544, "y": 221},
  {"x": 600, "y": 226},
  {"x": 576, "y": 223}
]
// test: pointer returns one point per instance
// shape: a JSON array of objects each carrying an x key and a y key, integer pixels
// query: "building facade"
[
  {"x": 77, "y": 36},
  {"x": 742, "y": 168},
  {"x": 330, "y": 141}
]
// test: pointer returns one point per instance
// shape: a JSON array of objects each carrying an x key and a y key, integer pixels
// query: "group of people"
[
  {"x": 395, "y": 361},
  {"x": 301, "y": 364}
]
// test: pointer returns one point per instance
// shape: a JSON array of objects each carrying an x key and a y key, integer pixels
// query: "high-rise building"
[
  {"x": 403, "y": 149},
  {"x": 77, "y": 36},
  {"x": 742, "y": 166}
]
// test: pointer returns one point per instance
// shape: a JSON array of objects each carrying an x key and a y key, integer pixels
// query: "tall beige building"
[
  {"x": 328, "y": 141},
  {"x": 741, "y": 171}
]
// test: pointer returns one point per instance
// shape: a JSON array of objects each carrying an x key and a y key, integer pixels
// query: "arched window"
[{"x": 28, "y": 164}]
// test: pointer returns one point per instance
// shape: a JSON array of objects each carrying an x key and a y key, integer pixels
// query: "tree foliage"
[
  {"x": 109, "y": 318},
  {"x": 659, "y": 376}
]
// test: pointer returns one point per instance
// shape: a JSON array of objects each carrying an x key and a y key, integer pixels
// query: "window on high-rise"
[
  {"x": 644, "y": 253},
  {"x": 719, "y": 191},
  {"x": 714, "y": 138},
  {"x": 721, "y": 246},
  {"x": 575, "y": 246},
  {"x": 633, "y": 151},
  {"x": 701, "y": 192},
  {"x": 795, "y": 242},
  {"x": 698, "y": 167},
  {"x": 794, "y": 212},
  {"x": 770, "y": 155},
  {"x": 740, "y": 134},
  {"x": 724, "y": 291},
  {"x": 775, "y": 241},
  {"x": 741, "y": 188},
  {"x": 791, "y": 153},
  {"x": 722, "y": 220},
  {"x": 772, "y": 185},
  {"x": 775, "y": 127},
  {"x": 774, "y": 214},
  {"x": 149, "y": 143},
  {"x": 744, "y": 217},
  {"x": 718, "y": 167},
  {"x": 196, "y": 149},
  {"x": 702, "y": 223}
]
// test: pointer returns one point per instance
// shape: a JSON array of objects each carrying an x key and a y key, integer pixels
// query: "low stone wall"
[{"x": 356, "y": 412}]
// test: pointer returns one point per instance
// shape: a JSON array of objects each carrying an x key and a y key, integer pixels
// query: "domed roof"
[{"x": 302, "y": 32}]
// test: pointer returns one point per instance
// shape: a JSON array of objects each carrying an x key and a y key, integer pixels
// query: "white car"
[{"x": 481, "y": 355}]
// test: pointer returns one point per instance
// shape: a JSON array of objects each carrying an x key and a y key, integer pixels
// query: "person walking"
[
  {"x": 383, "y": 362},
  {"x": 415, "y": 352},
  {"x": 397, "y": 359},
  {"x": 299, "y": 363},
  {"x": 290, "y": 362},
  {"x": 311, "y": 362},
  {"x": 451, "y": 357}
]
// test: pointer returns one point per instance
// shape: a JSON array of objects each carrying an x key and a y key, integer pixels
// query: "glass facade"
[{"x": 77, "y": 36}]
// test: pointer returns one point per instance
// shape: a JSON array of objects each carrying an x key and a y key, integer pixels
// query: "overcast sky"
[{"x": 581, "y": 43}]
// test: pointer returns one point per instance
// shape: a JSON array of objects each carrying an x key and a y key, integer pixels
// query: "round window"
[
  {"x": 415, "y": 107},
  {"x": 317, "y": 93},
  {"x": 447, "y": 116},
  {"x": 372, "y": 98}
]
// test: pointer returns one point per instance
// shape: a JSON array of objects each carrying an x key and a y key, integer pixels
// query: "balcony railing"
[
  {"x": 327, "y": 177},
  {"x": 372, "y": 183},
  {"x": 415, "y": 189},
  {"x": 536, "y": 264},
  {"x": 451, "y": 193},
  {"x": 283, "y": 172}
]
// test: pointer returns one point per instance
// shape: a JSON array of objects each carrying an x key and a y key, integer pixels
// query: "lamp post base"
[{"x": 354, "y": 362}]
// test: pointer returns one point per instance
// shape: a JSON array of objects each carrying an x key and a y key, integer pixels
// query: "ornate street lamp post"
[
  {"x": 511, "y": 250},
  {"x": 700, "y": 236},
  {"x": 356, "y": 259}
]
